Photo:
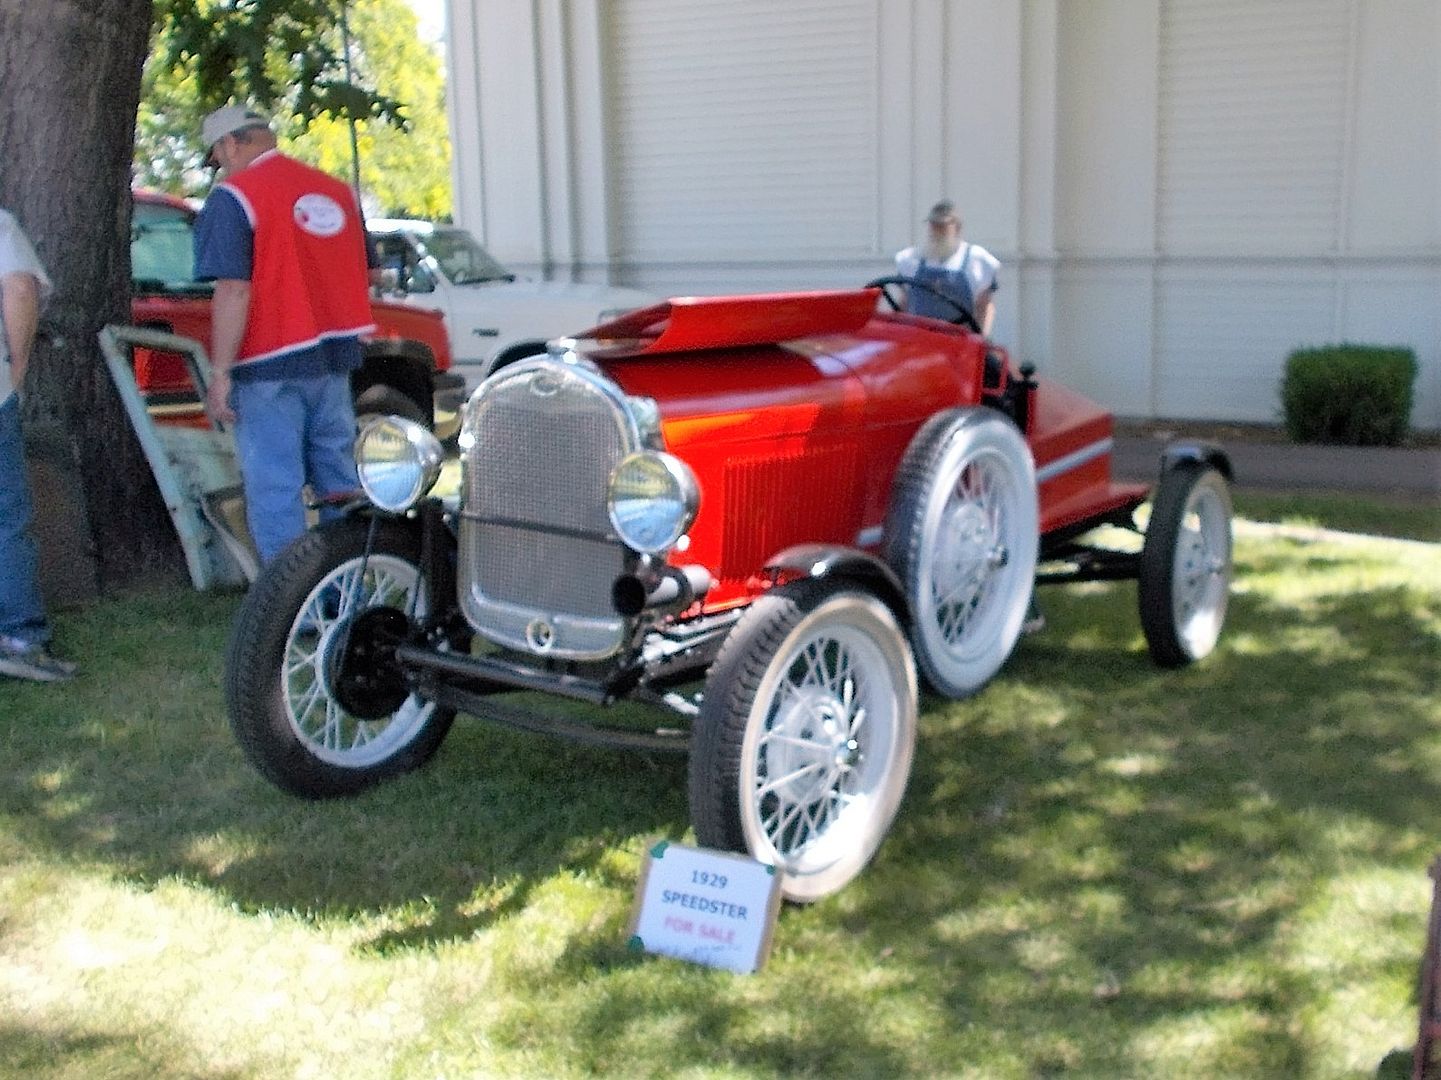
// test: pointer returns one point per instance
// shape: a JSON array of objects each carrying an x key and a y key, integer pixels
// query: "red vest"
[{"x": 308, "y": 275}]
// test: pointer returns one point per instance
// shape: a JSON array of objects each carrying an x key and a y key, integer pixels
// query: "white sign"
[{"x": 709, "y": 907}]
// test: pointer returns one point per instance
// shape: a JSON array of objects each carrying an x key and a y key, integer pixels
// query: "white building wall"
[{"x": 1181, "y": 191}]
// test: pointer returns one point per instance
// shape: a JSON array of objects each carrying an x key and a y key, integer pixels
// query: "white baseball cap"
[{"x": 227, "y": 120}]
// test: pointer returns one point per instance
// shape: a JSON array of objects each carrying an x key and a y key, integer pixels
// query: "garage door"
[
  {"x": 1252, "y": 125},
  {"x": 743, "y": 130},
  {"x": 1252, "y": 106}
]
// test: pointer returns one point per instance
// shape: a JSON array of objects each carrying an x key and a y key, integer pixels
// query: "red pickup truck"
[{"x": 407, "y": 360}]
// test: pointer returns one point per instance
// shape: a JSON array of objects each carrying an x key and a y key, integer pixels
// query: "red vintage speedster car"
[{"x": 807, "y": 501}]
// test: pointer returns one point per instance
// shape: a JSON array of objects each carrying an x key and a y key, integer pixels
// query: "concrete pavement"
[{"x": 1379, "y": 470}]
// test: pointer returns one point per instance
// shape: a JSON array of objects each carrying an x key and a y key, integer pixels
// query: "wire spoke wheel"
[
  {"x": 805, "y": 739},
  {"x": 316, "y": 698},
  {"x": 971, "y": 551},
  {"x": 320, "y": 635},
  {"x": 962, "y": 536}
]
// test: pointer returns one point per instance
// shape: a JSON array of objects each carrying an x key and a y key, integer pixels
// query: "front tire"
[
  {"x": 1185, "y": 574},
  {"x": 805, "y": 737},
  {"x": 962, "y": 534},
  {"x": 315, "y": 698}
]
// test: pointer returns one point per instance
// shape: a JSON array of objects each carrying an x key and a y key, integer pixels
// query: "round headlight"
[
  {"x": 398, "y": 462},
  {"x": 652, "y": 501}
]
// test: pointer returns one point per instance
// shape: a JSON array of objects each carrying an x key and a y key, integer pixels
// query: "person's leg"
[
  {"x": 269, "y": 433},
  {"x": 24, "y": 630},
  {"x": 22, "y": 610},
  {"x": 330, "y": 439}
]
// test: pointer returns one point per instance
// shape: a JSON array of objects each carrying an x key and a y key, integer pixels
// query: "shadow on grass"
[
  {"x": 1096, "y": 846},
  {"x": 134, "y": 765},
  {"x": 1091, "y": 846},
  {"x": 29, "y": 1052}
]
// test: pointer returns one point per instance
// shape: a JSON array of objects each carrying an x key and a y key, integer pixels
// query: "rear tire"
[
  {"x": 286, "y": 667},
  {"x": 1185, "y": 574},
  {"x": 962, "y": 534},
  {"x": 804, "y": 742}
]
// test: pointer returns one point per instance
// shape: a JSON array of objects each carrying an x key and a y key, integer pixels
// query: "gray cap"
[
  {"x": 942, "y": 212},
  {"x": 227, "y": 120}
]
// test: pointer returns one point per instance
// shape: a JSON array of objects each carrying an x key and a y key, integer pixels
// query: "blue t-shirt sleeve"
[{"x": 224, "y": 241}]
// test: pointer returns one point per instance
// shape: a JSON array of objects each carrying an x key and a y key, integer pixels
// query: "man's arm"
[
  {"x": 20, "y": 303},
  {"x": 985, "y": 311},
  {"x": 229, "y": 310},
  {"x": 224, "y": 249}
]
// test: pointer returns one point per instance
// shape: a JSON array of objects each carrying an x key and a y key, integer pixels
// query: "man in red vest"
[{"x": 285, "y": 245}]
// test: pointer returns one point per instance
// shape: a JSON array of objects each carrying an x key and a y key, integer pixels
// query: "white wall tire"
[
  {"x": 288, "y": 637},
  {"x": 962, "y": 534},
  {"x": 1186, "y": 565},
  {"x": 804, "y": 744}
]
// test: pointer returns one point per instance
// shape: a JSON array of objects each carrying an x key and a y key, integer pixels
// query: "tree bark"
[{"x": 70, "y": 84}]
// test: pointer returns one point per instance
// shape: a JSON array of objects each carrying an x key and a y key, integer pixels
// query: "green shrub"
[{"x": 1354, "y": 395}]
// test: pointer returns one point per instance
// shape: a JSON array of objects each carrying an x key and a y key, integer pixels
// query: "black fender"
[
  {"x": 438, "y": 545},
  {"x": 402, "y": 363},
  {"x": 1198, "y": 451},
  {"x": 846, "y": 564},
  {"x": 517, "y": 351},
  {"x": 398, "y": 348}
]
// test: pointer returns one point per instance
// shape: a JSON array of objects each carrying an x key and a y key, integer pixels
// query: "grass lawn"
[{"x": 1101, "y": 869}]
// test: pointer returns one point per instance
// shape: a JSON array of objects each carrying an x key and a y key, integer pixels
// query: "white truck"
[{"x": 493, "y": 316}]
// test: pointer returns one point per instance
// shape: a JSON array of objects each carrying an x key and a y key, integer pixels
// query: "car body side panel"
[
  {"x": 773, "y": 438},
  {"x": 818, "y": 441},
  {"x": 165, "y": 373},
  {"x": 907, "y": 373},
  {"x": 1071, "y": 439},
  {"x": 796, "y": 443}
]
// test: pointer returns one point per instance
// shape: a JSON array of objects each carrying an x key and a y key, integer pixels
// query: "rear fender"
[
  {"x": 1196, "y": 451},
  {"x": 847, "y": 564}
]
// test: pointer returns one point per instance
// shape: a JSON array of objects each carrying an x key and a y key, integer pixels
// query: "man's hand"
[
  {"x": 229, "y": 309},
  {"x": 217, "y": 398}
]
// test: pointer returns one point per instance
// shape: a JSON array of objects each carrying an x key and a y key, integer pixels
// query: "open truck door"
[{"x": 192, "y": 457}]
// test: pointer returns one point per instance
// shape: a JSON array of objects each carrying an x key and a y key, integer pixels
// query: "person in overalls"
[{"x": 964, "y": 272}]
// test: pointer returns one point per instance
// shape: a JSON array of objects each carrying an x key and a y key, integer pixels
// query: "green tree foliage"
[{"x": 288, "y": 57}]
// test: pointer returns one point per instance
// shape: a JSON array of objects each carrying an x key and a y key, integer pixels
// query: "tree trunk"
[{"x": 70, "y": 83}]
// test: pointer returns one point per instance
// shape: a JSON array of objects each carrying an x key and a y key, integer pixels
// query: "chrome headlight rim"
[
  {"x": 397, "y": 462},
  {"x": 652, "y": 524}
]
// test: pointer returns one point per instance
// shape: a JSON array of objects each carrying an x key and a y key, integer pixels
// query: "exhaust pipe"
[{"x": 674, "y": 589}]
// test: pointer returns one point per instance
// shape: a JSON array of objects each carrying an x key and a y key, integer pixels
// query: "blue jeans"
[
  {"x": 22, "y": 611},
  {"x": 290, "y": 432}
]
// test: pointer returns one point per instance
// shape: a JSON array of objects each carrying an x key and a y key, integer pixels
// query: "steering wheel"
[{"x": 963, "y": 314}]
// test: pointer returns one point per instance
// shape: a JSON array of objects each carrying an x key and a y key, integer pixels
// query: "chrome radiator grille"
[{"x": 537, "y": 551}]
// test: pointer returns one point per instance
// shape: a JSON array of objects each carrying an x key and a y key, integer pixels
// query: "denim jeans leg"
[
  {"x": 22, "y": 609},
  {"x": 330, "y": 439},
  {"x": 269, "y": 432}
]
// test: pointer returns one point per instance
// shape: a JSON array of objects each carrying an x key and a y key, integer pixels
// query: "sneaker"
[{"x": 33, "y": 662}]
